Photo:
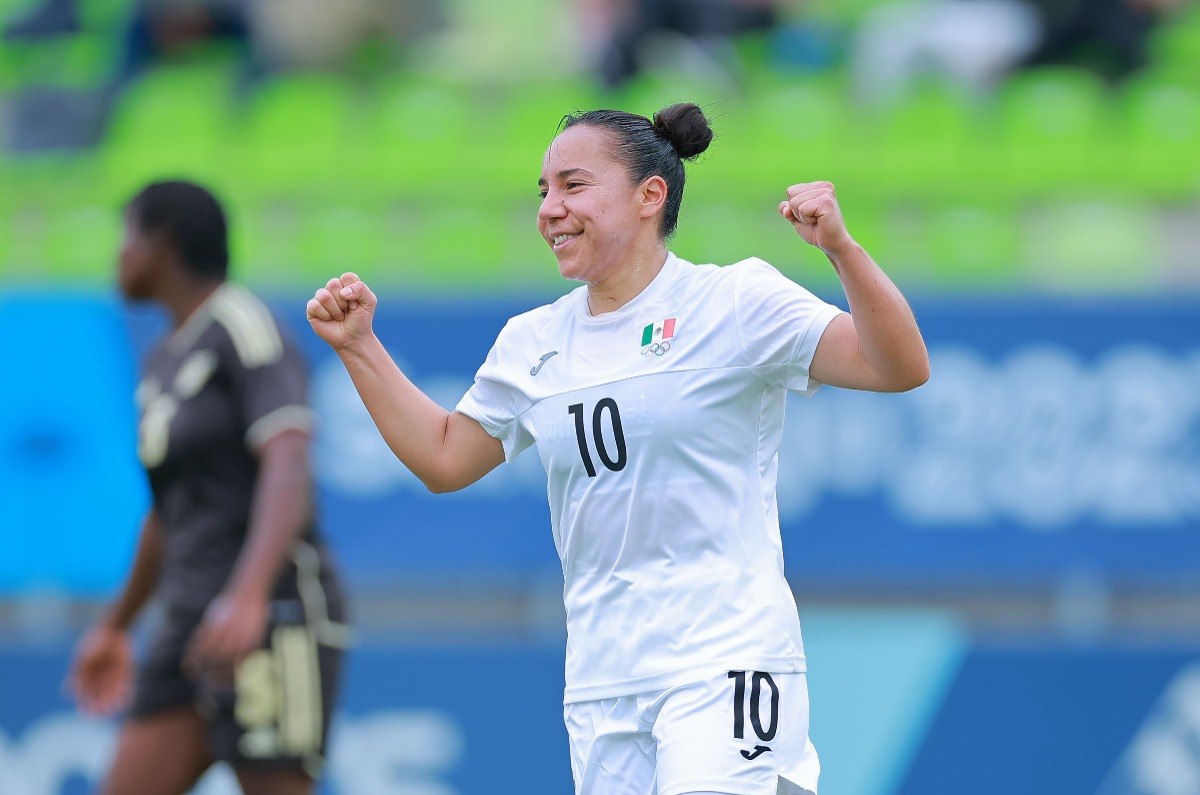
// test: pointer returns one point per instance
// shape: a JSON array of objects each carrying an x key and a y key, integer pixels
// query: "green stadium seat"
[
  {"x": 1161, "y": 136},
  {"x": 704, "y": 231},
  {"x": 897, "y": 236},
  {"x": 172, "y": 121},
  {"x": 83, "y": 244},
  {"x": 339, "y": 238},
  {"x": 78, "y": 60},
  {"x": 1050, "y": 122},
  {"x": 928, "y": 144},
  {"x": 35, "y": 192},
  {"x": 1174, "y": 46},
  {"x": 797, "y": 131},
  {"x": 417, "y": 133},
  {"x": 264, "y": 239},
  {"x": 1095, "y": 245},
  {"x": 8, "y": 266},
  {"x": 470, "y": 245},
  {"x": 528, "y": 117},
  {"x": 296, "y": 131},
  {"x": 22, "y": 238},
  {"x": 105, "y": 16},
  {"x": 973, "y": 246}
]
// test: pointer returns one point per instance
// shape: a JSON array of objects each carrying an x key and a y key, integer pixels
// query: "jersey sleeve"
[
  {"x": 276, "y": 398},
  {"x": 495, "y": 401},
  {"x": 269, "y": 376},
  {"x": 779, "y": 324}
]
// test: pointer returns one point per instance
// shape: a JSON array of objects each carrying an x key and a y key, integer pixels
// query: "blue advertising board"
[
  {"x": 902, "y": 703},
  {"x": 413, "y": 721},
  {"x": 1053, "y": 436}
]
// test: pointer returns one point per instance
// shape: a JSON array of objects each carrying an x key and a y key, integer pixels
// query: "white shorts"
[{"x": 742, "y": 733}]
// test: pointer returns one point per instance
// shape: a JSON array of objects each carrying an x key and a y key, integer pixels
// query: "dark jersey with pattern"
[{"x": 210, "y": 395}]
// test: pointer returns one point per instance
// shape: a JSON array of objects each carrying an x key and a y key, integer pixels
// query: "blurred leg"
[
  {"x": 273, "y": 782},
  {"x": 160, "y": 754}
]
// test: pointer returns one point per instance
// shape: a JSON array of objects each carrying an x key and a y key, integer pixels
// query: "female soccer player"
[
  {"x": 654, "y": 394},
  {"x": 243, "y": 665}
]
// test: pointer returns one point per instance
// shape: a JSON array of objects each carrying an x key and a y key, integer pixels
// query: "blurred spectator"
[
  {"x": 265, "y": 36},
  {"x": 155, "y": 28},
  {"x": 977, "y": 43},
  {"x": 1108, "y": 37},
  {"x": 48, "y": 116},
  {"x": 49, "y": 18},
  {"x": 320, "y": 34},
  {"x": 276, "y": 34},
  {"x": 161, "y": 28},
  {"x": 622, "y": 31},
  {"x": 973, "y": 43}
]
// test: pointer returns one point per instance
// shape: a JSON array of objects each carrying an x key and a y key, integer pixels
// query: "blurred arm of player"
[
  {"x": 877, "y": 346},
  {"x": 445, "y": 449},
  {"x": 101, "y": 676},
  {"x": 235, "y": 622}
]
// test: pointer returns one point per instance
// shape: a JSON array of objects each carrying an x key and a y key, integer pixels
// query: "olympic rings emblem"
[{"x": 657, "y": 349}]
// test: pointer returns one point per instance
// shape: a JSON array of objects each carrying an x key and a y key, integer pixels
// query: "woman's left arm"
[
  {"x": 878, "y": 346},
  {"x": 235, "y": 622}
]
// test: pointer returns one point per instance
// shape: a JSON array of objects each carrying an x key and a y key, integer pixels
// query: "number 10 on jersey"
[{"x": 605, "y": 407}]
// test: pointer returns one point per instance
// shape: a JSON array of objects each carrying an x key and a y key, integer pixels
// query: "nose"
[{"x": 551, "y": 207}]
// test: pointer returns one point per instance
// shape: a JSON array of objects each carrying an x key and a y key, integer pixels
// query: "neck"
[
  {"x": 621, "y": 288},
  {"x": 186, "y": 297}
]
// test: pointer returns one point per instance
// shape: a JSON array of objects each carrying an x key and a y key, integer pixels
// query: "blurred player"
[
  {"x": 244, "y": 663},
  {"x": 654, "y": 394}
]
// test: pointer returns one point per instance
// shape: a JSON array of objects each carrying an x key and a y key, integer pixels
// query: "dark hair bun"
[{"x": 686, "y": 127}]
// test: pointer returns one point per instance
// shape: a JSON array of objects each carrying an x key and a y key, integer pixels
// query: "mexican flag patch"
[{"x": 659, "y": 331}]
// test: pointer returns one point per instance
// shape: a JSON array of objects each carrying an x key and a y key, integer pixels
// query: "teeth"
[{"x": 560, "y": 238}]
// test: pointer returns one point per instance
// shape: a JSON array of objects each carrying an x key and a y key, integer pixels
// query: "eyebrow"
[{"x": 566, "y": 172}]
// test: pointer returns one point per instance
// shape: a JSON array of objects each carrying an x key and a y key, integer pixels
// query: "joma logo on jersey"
[{"x": 656, "y": 337}]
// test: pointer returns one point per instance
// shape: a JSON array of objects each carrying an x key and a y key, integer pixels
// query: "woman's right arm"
[
  {"x": 447, "y": 450},
  {"x": 143, "y": 576},
  {"x": 102, "y": 671}
]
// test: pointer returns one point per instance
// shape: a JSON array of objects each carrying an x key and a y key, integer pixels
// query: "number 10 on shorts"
[{"x": 759, "y": 681}]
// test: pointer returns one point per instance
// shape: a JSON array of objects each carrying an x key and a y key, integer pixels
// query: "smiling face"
[{"x": 591, "y": 216}]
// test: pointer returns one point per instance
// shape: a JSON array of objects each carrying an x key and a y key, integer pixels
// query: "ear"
[
  {"x": 161, "y": 250},
  {"x": 163, "y": 242},
  {"x": 652, "y": 196}
]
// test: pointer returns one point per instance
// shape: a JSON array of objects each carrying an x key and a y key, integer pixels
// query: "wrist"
[
  {"x": 246, "y": 592},
  {"x": 843, "y": 250},
  {"x": 114, "y": 623},
  {"x": 358, "y": 347}
]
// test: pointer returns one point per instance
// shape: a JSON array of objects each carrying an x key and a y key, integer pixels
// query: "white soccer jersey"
[{"x": 659, "y": 426}]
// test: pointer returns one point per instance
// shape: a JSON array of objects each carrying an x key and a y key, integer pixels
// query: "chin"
[
  {"x": 568, "y": 271},
  {"x": 131, "y": 291}
]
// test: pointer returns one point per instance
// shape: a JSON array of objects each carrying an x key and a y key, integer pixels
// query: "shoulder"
[
  {"x": 753, "y": 268},
  {"x": 755, "y": 277},
  {"x": 729, "y": 285},
  {"x": 248, "y": 324},
  {"x": 539, "y": 323},
  {"x": 726, "y": 275}
]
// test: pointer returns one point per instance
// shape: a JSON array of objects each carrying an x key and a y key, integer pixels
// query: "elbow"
[
  {"x": 913, "y": 377},
  {"x": 902, "y": 378},
  {"x": 439, "y": 482},
  {"x": 439, "y": 487}
]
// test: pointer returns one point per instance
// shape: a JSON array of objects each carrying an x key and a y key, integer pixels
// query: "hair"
[
  {"x": 192, "y": 220},
  {"x": 654, "y": 148}
]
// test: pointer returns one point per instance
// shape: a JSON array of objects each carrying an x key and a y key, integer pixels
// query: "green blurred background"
[{"x": 416, "y": 165}]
